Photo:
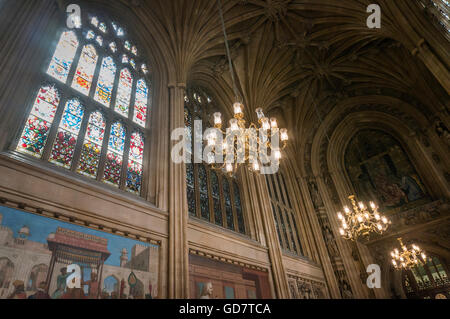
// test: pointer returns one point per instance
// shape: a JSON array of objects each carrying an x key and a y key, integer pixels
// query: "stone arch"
[
  {"x": 37, "y": 275},
  {"x": 114, "y": 281}
]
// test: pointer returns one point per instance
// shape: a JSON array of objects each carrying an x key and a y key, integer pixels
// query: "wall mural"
[
  {"x": 380, "y": 170},
  {"x": 37, "y": 253},
  {"x": 212, "y": 279}
]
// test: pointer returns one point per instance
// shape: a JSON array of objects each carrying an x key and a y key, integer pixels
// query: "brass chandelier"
[
  {"x": 361, "y": 221},
  {"x": 244, "y": 145},
  {"x": 407, "y": 258}
]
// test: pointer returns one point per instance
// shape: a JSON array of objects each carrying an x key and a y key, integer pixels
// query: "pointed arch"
[
  {"x": 63, "y": 57},
  {"x": 84, "y": 74}
]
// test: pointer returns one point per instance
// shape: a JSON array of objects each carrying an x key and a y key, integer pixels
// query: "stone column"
[
  {"x": 275, "y": 253},
  {"x": 178, "y": 248}
]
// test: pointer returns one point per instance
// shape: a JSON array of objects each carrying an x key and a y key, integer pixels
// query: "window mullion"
[
  {"x": 126, "y": 153},
  {"x": 101, "y": 165},
  {"x": 80, "y": 140},
  {"x": 133, "y": 97},
  {"x": 112, "y": 105},
  {"x": 210, "y": 197},
  {"x": 98, "y": 67},
  {"x": 222, "y": 201},
  {"x": 54, "y": 128}
]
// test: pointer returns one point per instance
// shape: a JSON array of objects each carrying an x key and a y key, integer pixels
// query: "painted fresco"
[
  {"x": 380, "y": 170},
  {"x": 213, "y": 279},
  {"x": 36, "y": 251}
]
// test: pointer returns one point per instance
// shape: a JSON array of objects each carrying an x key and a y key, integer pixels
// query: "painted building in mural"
[{"x": 25, "y": 256}]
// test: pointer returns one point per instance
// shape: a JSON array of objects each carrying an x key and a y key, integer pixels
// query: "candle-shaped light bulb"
[
  {"x": 339, "y": 215},
  {"x": 394, "y": 263},
  {"x": 342, "y": 231},
  {"x": 377, "y": 216},
  {"x": 237, "y": 107},
  {"x": 229, "y": 167},
  {"x": 265, "y": 123},
  {"x": 256, "y": 166},
  {"x": 234, "y": 124},
  {"x": 372, "y": 205},
  {"x": 361, "y": 205},
  {"x": 384, "y": 220},
  {"x": 217, "y": 118},
  {"x": 379, "y": 227},
  {"x": 259, "y": 113},
  {"x": 360, "y": 219},
  {"x": 284, "y": 135},
  {"x": 273, "y": 123},
  {"x": 277, "y": 154},
  {"x": 346, "y": 209}
]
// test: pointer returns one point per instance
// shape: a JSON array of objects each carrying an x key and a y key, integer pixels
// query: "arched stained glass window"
[
  {"x": 67, "y": 135},
  {"x": 63, "y": 57},
  {"x": 135, "y": 162},
  {"x": 39, "y": 121},
  {"x": 140, "y": 104},
  {"x": 92, "y": 145},
  {"x": 211, "y": 195},
  {"x": 105, "y": 82},
  {"x": 124, "y": 92},
  {"x": 85, "y": 71},
  {"x": 88, "y": 137},
  {"x": 114, "y": 156}
]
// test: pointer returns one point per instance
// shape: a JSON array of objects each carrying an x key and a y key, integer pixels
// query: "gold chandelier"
[
  {"x": 407, "y": 258},
  {"x": 245, "y": 145},
  {"x": 361, "y": 221}
]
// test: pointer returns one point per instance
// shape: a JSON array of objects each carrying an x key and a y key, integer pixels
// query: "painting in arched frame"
[{"x": 380, "y": 170}]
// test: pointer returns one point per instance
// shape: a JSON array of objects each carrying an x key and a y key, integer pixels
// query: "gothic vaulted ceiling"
[{"x": 297, "y": 59}]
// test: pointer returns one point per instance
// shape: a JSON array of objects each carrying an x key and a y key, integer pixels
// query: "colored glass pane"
[
  {"x": 140, "y": 104},
  {"x": 39, "y": 121},
  {"x": 67, "y": 135},
  {"x": 105, "y": 82},
  {"x": 228, "y": 208},
  {"x": 63, "y": 57},
  {"x": 124, "y": 93},
  {"x": 85, "y": 70},
  {"x": 114, "y": 156},
  {"x": 92, "y": 145},
  {"x": 135, "y": 161}
]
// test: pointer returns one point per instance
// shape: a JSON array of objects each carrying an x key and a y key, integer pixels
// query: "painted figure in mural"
[
  {"x": 411, "y": 187},
  {"x": 60, "y": 283},
  {"x": 19, "y": 290},
  {"x": 122, "y": 289},
  {"x": 390, "y": 193},
  {"x": 40, "y": 294},
  {"x": 93, "y": 286},
  {"x": 207, "y": 291}
]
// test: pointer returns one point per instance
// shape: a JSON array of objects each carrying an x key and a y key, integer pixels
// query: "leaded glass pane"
[
  {"x": 39, "y": 121},
  {"x": 114, "y": 156},
  {"x": 92, "y": 145},
  {"x": 105, "y": 82},
  {"x": 63, "y": 57},
  {"x": 228, "y": 207},
  {"x": 140, "y": 104},
  {"x": 82, "y": 80},
  {"x": 124, "y": 92},
  {"x": 135, "y": 162},
  {"x": 203, "y": 183},
  {"x": 238, "y": 208},
  {"x": 66, "y": 138},
  {"x": 216, "y": 198}
]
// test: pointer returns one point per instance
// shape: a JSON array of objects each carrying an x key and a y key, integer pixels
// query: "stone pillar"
[
  {"x": 275, "y": 253},
  {"x": 178, "y": 248}
]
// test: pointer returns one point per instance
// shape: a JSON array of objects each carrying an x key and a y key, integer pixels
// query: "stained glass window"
[
  {"x": 85, "y": 70},
  {"x": 105, "y": 81},
  {"x": 76, "y": 143},
  {"x": 211, "y": 195},
  {"x": 39, "y": 121},
  {"x": 92, "y": 145},
  {"x": 124, "y": 93},
  {"x": 135, "y": 162},
  {"x": 67, "y": 135},
  {"x": 140, "y": 104},
  {"x": 114, "y": 156},
  {"x": 63, "y": 57}
]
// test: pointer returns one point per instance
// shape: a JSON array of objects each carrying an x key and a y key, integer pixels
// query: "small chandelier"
[
  {"x": 250, "y": 146},
  {"x": 361, "y": 221},
  {"x": 407, "y": 258}
]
